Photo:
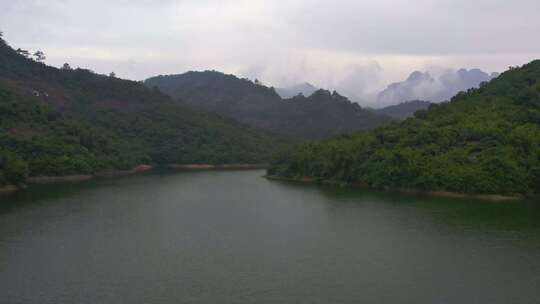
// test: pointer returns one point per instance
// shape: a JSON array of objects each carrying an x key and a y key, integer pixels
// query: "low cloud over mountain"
[
  {"x": 305, "y": 89},
  {"x": 423, "y": 86}
]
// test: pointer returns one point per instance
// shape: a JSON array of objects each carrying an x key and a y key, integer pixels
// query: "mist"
[{"x": 355, "y": 47}]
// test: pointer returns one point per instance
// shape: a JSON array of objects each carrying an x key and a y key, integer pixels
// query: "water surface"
[{"x": 234, "y": 237}]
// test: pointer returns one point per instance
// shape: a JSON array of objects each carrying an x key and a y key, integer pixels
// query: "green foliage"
[
  {"x": 486, "y": 140},
  {"x": 13, "y": 169},
  {"x": 64, "y": 121},
  {"x": 321, "y": 115}
]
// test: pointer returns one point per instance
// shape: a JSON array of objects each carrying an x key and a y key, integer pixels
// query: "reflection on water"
[{"x": 234, "y": 237}]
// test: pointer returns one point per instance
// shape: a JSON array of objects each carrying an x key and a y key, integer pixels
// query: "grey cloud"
[
  {"x": 438, "y": 27},
  {"x": 331, "y": 44}
]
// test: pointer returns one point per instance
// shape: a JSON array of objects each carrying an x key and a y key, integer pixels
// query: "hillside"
[
  {"x": 486, "y": 140},
  {"x": 403, "y": 110},
  {"x": 321, "y": 115},
  {"x": 65, "y": 121}
]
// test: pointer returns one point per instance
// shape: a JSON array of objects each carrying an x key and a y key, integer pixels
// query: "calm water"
[{"x": 233, "y": 237}]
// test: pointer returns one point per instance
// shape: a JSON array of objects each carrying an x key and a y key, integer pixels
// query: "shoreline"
[
  {"x": 40, "y": 180},
  {"x": 135, "y": 170},
  {"x": 84, "y": 177},
  {"x": 197, "y": 167},
  {"x": 8, "y": 189},
  {"x": 76, "y": 178},
  {"x": 436, "y": 193}
]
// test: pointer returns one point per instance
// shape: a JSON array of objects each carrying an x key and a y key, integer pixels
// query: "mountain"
[
  {"x": 322, "y": 114},
  {"x": 403, "y": 110},
  {"x": 73, "y": 121},
  {"x": 484, "y": 141},
  {"x": 423, "y": 86},
  {"x": 305, "y": 89}
]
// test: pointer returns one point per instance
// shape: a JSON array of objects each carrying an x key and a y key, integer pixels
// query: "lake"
[{"x": 235, "y": 237}]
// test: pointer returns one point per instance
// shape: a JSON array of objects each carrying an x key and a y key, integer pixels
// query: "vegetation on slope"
[
  {"x": 486, "y": 140},
  {"x": 71, "y": 121},
  {"x": 321, "y": 115}
]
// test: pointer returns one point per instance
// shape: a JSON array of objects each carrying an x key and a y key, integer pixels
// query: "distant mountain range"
[
  {"x": 305, "y": 89},
  {"x": 403, "y": 110},
  {"x": 423, "y": 86},
  {"x": 319, "y": 115}
]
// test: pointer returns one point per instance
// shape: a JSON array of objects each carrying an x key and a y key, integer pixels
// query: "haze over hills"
[
  {"x": 305, "y": 89},
  {"x": 73, "y": 121},
  {"x": 423, "y": 86},
  {"x": 486, "y": 140},
  {"x": 320, "y": 115},
  {"x": 404, "y": 109},
  {"x": 429, "y": 86}
]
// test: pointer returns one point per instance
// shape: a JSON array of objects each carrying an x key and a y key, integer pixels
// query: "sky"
[{"x": 353, "y": 46}]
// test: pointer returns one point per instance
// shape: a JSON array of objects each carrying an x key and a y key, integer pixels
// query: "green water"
[{"x": 233, "y": 237}]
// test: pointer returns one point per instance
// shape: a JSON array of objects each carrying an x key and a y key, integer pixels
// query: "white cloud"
[{"x": 354, "y": 46}]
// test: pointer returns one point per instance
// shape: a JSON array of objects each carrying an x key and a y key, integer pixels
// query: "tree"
[
  {"x": 14, "y": 167},
  {"x": 40, "y": 56},
  {"x": 112, "y": 75},
  {"x": 66, "y": 67},
  {"x": 22, "y": 52}
]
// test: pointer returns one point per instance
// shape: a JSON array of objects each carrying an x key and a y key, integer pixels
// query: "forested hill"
[
  {"x": 486, "y": 140},
  {"x": 72, "y": 121},
  {"x": 320, "y": 115}
]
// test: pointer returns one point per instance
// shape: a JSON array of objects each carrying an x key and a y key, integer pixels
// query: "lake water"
[{"x": 234, "y": 237}]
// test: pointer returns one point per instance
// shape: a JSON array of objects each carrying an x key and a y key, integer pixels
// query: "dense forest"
[
  {"x": 321, "y": 115},
  {"x": 485, "y": 140},
  {"x": 71, "y": 121}
]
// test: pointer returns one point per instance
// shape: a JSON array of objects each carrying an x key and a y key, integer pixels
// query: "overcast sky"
[{"x": 354, "y": 46}]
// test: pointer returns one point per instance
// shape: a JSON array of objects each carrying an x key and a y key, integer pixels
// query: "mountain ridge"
[{"x": 320, "y": 115}]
